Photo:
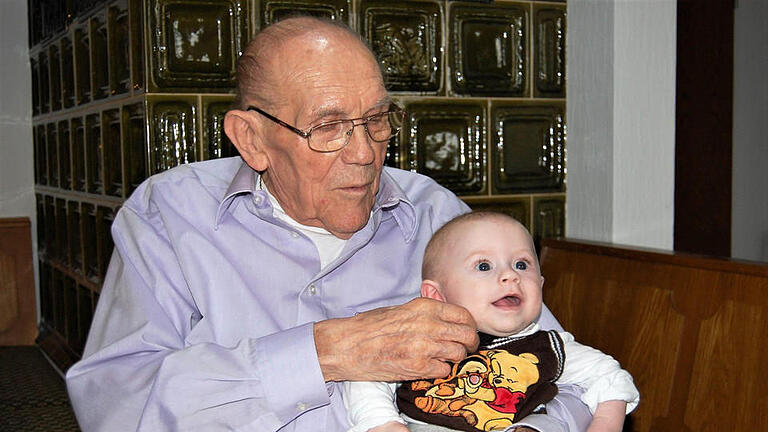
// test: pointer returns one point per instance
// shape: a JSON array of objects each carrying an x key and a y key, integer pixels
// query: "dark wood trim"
[
  {"x": 659, "y": 256},
  {"x": 56, "y": 348},
  {"x": 703, "y": 126}
]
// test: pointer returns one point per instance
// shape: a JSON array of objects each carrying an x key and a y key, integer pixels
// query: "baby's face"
[{"x": 490, "y": 268}]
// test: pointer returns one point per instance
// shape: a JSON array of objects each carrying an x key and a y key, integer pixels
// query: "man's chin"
[{"x": 349, "y": 224}]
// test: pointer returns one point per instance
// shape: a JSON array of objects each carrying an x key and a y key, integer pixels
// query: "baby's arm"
[
  {"x": 603, "y": 379},
  {"x": 609, "y": 417},
  {"x": 371, "y": 406}
]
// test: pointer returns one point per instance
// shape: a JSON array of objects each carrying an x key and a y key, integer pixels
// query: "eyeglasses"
[{"x": 334, "y": 135}]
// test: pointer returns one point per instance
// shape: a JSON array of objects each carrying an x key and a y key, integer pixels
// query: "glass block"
[
  {"x": 528, "y": 148},
  {"x": 53, "y": 154},
  {"x": 67, "y": 73},
  {"x": 62, "y": 248},
  {"x": 84, "y": 314},
  {"x": 78, "y": 154},
  {"x": 105, "y": 244},
  {"x": 90, "y": 242},
  {"x": 50, "y": 227},
  {"x": 548, "y": 218},
  {"x": 113, "y": 164},
  {"x": 35, "y": 69},
  {"x": 549, "y": 51},
  {"x": 99, "y": 57},
  {"x": 65, "y": 167},
  {"x": 40, "y": 218},
  {"x": 134, "y": 146},
  {"x": 70, "y": 311},
  {"x": 517, "y": 207},
  {"x": 196, "y": 44},
  {"x": 46, "y": 292},
  {"x": 57, "y": 288},
  {"x": 82, "y": 7},
  {"x": 73, "y": 237},
  {"x": 446, "y": 141},
  {"x": 41, "y": 155},
  {"x": 488, "y": 49},
  {"x": 215, "y": 141},
  {"x": 136, "y": 16},
  {"x": 274, "y": 11},
  {"x": 44, "y": 77},
  {"x": 82, "y": 65},
  {"x": 173, "y": 132},
  {"x": 119, "y": 48},
  {"x": 54, "y": 16},
  {"x": 407, "y": 40},
  {"x": 55, "y": 62},
  {"x": 94, "y": 169},
  {"x": 35, "y": 22}
]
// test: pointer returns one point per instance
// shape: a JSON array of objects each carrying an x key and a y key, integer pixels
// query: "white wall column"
[{"x": 621, "y": 117}]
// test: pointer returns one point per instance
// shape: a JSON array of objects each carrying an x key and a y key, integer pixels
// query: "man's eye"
[
  {"x": 521, "y": 265},
  {"x": 483, "y": 266}
]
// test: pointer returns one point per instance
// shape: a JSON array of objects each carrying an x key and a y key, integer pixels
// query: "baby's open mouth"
[{"x": 508, "y": 301}]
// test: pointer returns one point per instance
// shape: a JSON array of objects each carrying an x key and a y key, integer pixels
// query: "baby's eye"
[
  {"x": 521, "y": 265},
  {"x": 483, "y": 266}
]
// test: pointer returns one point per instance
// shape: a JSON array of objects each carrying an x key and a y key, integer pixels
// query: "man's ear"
[
  {"x": 240, "y": 129},
  {"x": 431, "y": 289}
]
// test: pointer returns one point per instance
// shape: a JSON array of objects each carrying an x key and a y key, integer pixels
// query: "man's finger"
[
  {"x": 458, "y": 333},
  {"x": 452, "y": 352},
  {"x": 455, "y": 314}
]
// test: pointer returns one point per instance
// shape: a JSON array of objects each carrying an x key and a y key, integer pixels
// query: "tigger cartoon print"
[
  {"x": 485, "y": 389},
  {"x": 489, "y": 390}
]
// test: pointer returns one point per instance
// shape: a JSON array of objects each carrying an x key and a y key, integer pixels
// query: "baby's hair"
[{"x": 434, "y": 249}]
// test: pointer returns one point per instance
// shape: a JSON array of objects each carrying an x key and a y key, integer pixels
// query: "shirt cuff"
[{"x": 287, "y": 365}]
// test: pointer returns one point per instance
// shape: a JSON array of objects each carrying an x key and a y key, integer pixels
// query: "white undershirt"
[{"x": 328, "y": 245}]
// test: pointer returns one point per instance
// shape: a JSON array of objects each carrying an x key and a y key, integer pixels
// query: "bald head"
[
  {"x": 437, "y": 246},
  {"x": 259, "y": 83}
]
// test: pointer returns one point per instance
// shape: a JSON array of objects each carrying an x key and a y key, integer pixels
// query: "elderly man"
[{"x": 242, "y": 291}]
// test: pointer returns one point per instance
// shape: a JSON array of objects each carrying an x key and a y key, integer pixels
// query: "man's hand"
[{"x": 406, "y": 342}]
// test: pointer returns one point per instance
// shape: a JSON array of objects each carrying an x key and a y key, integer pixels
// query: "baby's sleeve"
[
  {"x": 370, "y": 404},
  {"x": 599, "y": 374}
]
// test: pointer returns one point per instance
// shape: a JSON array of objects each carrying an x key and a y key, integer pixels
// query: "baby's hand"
[{"x": 392, "y": 426}]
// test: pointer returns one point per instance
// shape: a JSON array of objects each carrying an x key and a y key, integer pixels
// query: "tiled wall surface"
[{"x": 124, "y": 89}]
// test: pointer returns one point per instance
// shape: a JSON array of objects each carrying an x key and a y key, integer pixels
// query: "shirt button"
[
  {"x": 257, "y": 199},
  {"x": 312, "y": 290},
  {"x": 301, "y": 407},
  {"x": 294, "y": 234}
]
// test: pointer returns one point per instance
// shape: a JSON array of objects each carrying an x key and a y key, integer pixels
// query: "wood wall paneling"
[{"x": 690, "y": 330}]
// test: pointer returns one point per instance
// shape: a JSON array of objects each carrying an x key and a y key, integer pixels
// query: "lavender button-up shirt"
[{"x": 206, "y": 313}]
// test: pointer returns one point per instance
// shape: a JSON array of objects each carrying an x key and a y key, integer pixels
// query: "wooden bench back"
[{"x": 693, "y": 331}]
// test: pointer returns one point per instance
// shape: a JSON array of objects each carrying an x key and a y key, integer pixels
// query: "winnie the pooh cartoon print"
[{"x": 487, "y": 391}]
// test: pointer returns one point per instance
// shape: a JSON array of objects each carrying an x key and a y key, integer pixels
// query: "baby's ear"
[{"x": 431, "y": 289}]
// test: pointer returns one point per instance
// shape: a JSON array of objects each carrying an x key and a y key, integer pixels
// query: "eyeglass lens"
[{"x": 333, "y": 136}]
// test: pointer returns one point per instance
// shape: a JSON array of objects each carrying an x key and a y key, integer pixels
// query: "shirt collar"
[{"x": 391, "y": 199}]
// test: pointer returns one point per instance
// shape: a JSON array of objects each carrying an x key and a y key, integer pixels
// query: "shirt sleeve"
[
  {"x": 599, "y": 374},
  {"x": 138, "y": 373},
  {"x": 370, "y": 404}
]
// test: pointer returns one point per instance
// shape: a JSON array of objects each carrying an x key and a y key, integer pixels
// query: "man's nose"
[{"x": 359, "y": 149}]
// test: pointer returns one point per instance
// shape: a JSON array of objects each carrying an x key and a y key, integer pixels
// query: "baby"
[{"x": 486, "y": 262}]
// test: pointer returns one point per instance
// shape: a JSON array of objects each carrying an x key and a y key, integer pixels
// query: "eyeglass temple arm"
[{"x": 278, "y": 121}]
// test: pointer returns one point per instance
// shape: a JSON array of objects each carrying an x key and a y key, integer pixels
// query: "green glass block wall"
[{"x": 123, "y": 89}]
